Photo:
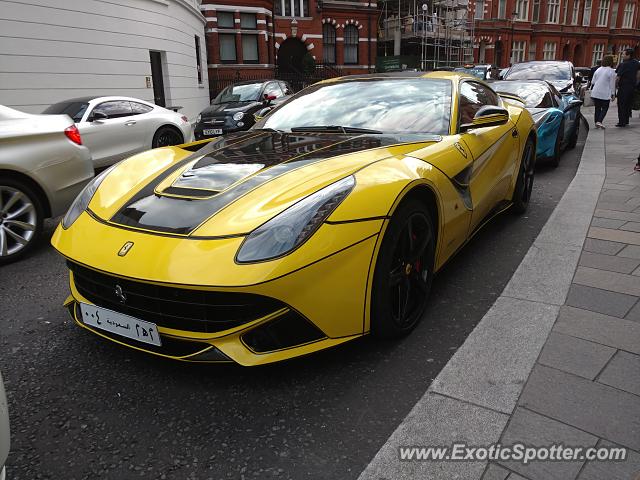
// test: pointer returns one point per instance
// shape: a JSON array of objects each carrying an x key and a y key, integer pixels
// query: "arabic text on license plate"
[
  {"x": 212, "y": 131},
  {"x": 120, "y": 324}
]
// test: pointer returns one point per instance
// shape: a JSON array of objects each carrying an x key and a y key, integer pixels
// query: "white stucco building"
[{"x": 53, "y": 50}]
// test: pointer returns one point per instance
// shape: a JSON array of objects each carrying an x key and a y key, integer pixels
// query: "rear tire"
[
  {"x": 166, "y": 136},
  {"x": 576, "y": 132},
  {"x": 557, "y": 150},
  {"x": 403, "y": 272},
  {"x": 524, "y": 184},
  {"x": 21, "y": 219}
]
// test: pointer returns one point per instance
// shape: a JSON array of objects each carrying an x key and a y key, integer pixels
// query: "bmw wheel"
[
  {"x": 21, "y": 218},
  {"x": 404, "y": 272}
]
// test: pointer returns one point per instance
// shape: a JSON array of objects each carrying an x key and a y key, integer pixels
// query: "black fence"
[{"x": 298, "y": 80}]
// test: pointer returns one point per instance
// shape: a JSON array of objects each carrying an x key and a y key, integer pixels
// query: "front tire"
[
  {"x": 404, "y": 272},
  {"x": 21, "y": 219},
  {"x": 524, "y": 184},
  {"x": 573, "y": 141},
  {"x": 557, "y": 150},
  {"x": 166, "y": 136}
]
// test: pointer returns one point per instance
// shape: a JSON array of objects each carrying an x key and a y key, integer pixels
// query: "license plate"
[
  {"x": 212, "y": 131},
  {"x": 120, "y": 324}
]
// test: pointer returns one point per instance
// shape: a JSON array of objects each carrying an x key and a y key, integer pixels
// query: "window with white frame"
[
  {"x": 549, "y": 51},
  {"x": 576, "y": 12},
  {"x": 586, "y": 19},
  {"x": 518, "y": 51},
  {"x": 328, "y": 43},
  {"x": 350, "y": 45},
  {"x": 535, "y": 17},
  {"x": 614, "y": 15},
  {"x": 598, "y": 51},
  {"x": 565, "y": 8},
  {"x": 627, "y": 19},
  {"x": 292, "y": 8},
  {"x": 225, "y": 20},
  {"x": 553, "y": 11},
  {"x": 479, "y": 13},
  {"x": 502, "y": 8},
  {"x": 603, "y": 13},
  {"x": 532, "y": 51},
  {"x": 522, "y": 7}
]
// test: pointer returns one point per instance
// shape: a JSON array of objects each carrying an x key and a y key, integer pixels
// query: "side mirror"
[
  {"x": 573, "y": 104},
  {"x": 487, "y": 116},
  {"x": 98, "y": 116},
  {"x": 260, "y": 114},
  {"x": 268, "y": 98}
]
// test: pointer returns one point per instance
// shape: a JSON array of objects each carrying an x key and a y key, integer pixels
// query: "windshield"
[
  {"x": 74, "y": 109},
  {"x": 414, "y": 105},
  {"x": 539, "y": 71},
  {"x": 239, "y": 93},
  {"x": 478, "y": 72},
  {"x": 535, "y": 95}
]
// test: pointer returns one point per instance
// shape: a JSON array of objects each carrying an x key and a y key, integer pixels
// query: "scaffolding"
[{"x": 438, "y": 32}]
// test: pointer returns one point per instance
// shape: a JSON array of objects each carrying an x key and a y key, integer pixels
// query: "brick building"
[
  {"x": 581, "y": 31},
  {"x": 261, "y": 38}
]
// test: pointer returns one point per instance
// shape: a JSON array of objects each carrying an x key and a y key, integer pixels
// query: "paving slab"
[
  {"x": 533, "y": 429},
  {"x": 575, "y": 355},
  {"x": 607, "y": 222},
  {"x": 437, "y": 420},
  {"x": 618, "y": 206},
  {"x": 603, "y": 329},
  {"x": 616, "y": 186},
  {"x": 634, "y": 313},
  {"x": 510, "y": 336},
  {"x": 605, "y": 280},
  {"x": 602, "y": 246},
  {"x": 608, "y": 262},
  {"x": 628, "y": 216},
  {"x": 495, "y": 472},
  {"x": 630, "y": 251},
  {"x": 623, "y": 372},
  {"x": 620, "y": 236},
  {"x": 598, "y": 409},
  {"x": 629, "y": 469},
  {"x": 601, "y": 301},
  {"x": 629, "y": 226}
]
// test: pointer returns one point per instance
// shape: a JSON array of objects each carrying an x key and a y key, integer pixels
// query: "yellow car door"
[{"x": 494, "y": 150}]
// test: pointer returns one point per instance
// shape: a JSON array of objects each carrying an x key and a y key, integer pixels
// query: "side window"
[
  {"x": 273, "y": 88},
  {"x": 140, "y": 108},
  {"x": 115, "y": 108},
  {"x": 472, "y": 97},
  {"x": 286, "y": 88}
]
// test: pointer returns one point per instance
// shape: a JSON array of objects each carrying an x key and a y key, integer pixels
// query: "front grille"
[
  {"x": 178, "y": 308},
  {"x": 214, "y": 121}
]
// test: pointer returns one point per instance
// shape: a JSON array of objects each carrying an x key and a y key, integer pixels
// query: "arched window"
[
  {"x": 350, "y": 44},
  {"x": 328, "y": 43}
]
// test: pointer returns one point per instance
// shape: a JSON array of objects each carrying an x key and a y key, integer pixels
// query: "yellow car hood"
[{"x": 234, "y": 184}]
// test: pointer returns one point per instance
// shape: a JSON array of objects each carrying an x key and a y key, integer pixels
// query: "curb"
[{"x": 473, "y": 397}]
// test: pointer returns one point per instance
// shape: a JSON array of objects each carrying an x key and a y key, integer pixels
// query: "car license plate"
[
  {"x": 212, "y": 131},
  {"x": 120, "y": 324}
]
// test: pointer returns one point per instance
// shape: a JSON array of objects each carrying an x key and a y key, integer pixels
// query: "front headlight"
[
  {"x": 199, "y": 118},
  {"x": 291, "y": 228},
  {"x": 238, "y": 116},
  {"x": 81, "y": 202}
]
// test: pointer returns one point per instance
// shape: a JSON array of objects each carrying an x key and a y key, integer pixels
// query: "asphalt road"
[{"x": 84, "y": 409}]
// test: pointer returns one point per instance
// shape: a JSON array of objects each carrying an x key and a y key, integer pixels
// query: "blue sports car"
[{"x": 557, "y": 116}]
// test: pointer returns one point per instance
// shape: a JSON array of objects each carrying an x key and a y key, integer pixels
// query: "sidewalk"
[{"x": 556, "y": 360}]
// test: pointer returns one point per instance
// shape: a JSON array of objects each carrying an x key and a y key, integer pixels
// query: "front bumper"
[{"x": 227, "y": 125}]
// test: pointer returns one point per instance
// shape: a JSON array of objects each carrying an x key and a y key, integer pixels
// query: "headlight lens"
[
  {"x": 295, "y": 225},
  {"x": 199, "y": 118},
  {"x": 238, "y": 116},
  {"x": 81, "y": 202}
]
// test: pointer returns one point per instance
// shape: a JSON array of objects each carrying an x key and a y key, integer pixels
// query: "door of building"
[{"x": 158, "y": 81}]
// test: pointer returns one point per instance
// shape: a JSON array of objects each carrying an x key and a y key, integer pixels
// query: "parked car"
[
  {"x": 557, "y": 116},
  {"x": 43, "y": 167},
  {"x": 4, "y": 431},
  {"x": 483, "y": 72},
  {"x": 583, "y": 79},
  {"x": 233, "y": 109},
  {"x": 560, "y": 74},
  {"x": 323, "y": 223},
  {"x": 114, "y": 128}
]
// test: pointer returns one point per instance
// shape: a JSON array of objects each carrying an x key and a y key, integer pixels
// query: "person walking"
[
  {"x": 627, "y": 73},
  {"x": 603, "y": 89}
]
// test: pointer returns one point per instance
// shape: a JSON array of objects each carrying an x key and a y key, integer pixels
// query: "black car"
[
  {"x": 232, "y": 110},
  {"x": 560, "y": 74}
]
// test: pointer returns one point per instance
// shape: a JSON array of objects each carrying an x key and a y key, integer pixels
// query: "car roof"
[
  {"x": 438, "y": 74},
  {"x": 92, "y": 98},
  {"x": 545, "y": 62}
]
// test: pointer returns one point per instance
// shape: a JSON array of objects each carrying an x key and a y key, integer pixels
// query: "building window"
[
  {"x": 553, "y": 12},
  {"x": 517, "y": 52},
  {"x": 522, "y": 8},
  {"x": 536, "y": 11},
  {"x": 250, "y": 48},
  {"x": 586, "y": 19},
  {"x": 292, "y": 8},
  {"x": 328, "y": 43},
  {"x": 502, "y": 8},
  {"x": 198, "y": 60},
  {"x": 576, "y": 12},
  {"x": 248, "y": 21},
  {"x": 479, "y": 13},
  {"x": 598, "y": 50},
  {"x": 227, "y": 47},
  {"x": 565, "y": 8},
  {"x": 614, "y": 15},
  {"x": 350, "y": 44},
  {"x": 549, "y": 51},
  {"x": 225, "y": 20},
  {"x": 627, "y": 19},
  {"x": 603, "y": 13},
  {"x": 532, "y": 51}
]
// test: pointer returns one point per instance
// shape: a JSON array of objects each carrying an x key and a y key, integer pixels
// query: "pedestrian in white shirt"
[{"x": 603, "y": 89}]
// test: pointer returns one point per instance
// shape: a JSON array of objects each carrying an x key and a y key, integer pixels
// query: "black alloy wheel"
[
  {"x": 165, "y": 137},
  {"x": 404, "y": 272},
  {"x": 557, "y": 149},
  {"x": 524, "y": 184}
]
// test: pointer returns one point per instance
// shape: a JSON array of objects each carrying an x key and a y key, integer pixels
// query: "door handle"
[{"x": 130, "y": 122}]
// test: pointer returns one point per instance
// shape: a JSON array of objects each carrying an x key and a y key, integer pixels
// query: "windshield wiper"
[
  {"x": 334, "y": 128},
  {"x": 275, "y": 130}
]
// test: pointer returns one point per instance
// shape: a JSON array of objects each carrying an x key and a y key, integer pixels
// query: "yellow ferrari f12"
[{"x": 325, "y": 222}]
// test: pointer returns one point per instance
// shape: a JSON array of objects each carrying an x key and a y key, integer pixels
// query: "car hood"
[
  {"x": 228, "y": 108},
  {"x": 563, "y": 86},
  {"x": 237, "y": 182}
]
